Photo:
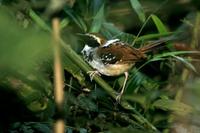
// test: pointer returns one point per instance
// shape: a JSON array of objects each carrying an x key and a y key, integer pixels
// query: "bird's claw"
[
  {"x": 93, "y": 73},
  {"x": 118, "y": 97}
]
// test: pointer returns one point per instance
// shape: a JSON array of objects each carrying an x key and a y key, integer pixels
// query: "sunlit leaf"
[{"x": 159, "y": 24}]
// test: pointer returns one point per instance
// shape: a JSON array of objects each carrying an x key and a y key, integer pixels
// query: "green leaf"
[
  {"x": 95, "y": 5},
  {"x": 138, "y": 9},
  {"x": 76, "y": 18},
  {"x": 159, "y": 24},
  {"x": 40, "y": 127},
  {"x": 83, "y": 130},
  {"x": 184, "y": 61},
  {"x": 171, "y": 105},
  {"x": 153, "y": 36},
  {"x": 166, "y": 54},
  {"x": 86, "y": 103},
  {"x": 64, "y": 23},
  {"x": 161, "y": 28},
  {"x": 126, "y": 37},
  {"x": 139, "y": 80},
  {"x": 98, "y": 20},
  {"x": 74, "y": 70},
  {"x": 39, "y": 21},
  {"x": 22, "y": 54},
  {"x": 136, "y": 98},
  {"x": 109, "y": 30}
]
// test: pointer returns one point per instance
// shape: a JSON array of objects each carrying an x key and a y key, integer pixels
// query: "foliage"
[{"x": 152, "y": 100}]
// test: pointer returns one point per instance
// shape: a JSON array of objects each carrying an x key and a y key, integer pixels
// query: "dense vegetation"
[{"x": 162, "y": 92}]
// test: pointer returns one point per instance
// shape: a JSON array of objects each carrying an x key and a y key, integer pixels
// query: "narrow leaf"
[
  {"x": 188, "y": 64},
  {"x": 64, "y": 23},
  {"x": 98, "y": 20},
  {"x": 39, "y": 21},
  {"x": 166, "y": 54},
  {"x": 159, "y": 24},
  {"x": 138, "y": 9},
  {"x": 76, "y": 18},
  {"x": 171, "y": 105},
  {"x": 153, "y": 36}
]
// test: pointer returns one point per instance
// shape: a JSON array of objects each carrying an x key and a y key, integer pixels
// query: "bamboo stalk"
[{"x": 58, "y": 79}]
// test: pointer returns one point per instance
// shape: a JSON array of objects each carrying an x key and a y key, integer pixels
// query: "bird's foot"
[
  {"x": 118, "y": 97},
  {"x": 93, "y": 73}
]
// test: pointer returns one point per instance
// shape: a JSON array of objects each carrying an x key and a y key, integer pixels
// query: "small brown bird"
[{"x": 114, "y": 57}]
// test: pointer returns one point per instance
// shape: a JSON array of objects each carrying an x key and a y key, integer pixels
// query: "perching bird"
[{"x": 114, "y": 57}]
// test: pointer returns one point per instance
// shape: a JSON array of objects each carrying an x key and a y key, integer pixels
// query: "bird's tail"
[{"x": 156, "y": 44}]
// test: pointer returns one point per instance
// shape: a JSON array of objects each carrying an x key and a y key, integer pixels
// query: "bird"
[{"x": 114, "y": 57}]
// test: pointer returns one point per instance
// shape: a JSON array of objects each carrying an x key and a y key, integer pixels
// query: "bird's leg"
[
  {"x": 93, "y": 73},
  {"x": 118, "y": 97}
]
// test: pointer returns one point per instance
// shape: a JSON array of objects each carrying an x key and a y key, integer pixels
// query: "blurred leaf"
[
  {"x": 74, "y": 70},
  {"x": 69, "y": 130},
  {"x": 139, "y": 80},
  {"x": 153, "y": 36},
  {"x": 83, "y": 130},
  {"x": 166, "y": 54},
  {"x": 128, "y": 129},
  {"x": 56, "y": 5},
  {"x": 161, "y": 28},
  {"x": 30, "y": 127},
  {"x": 97, "y": 20},
  {"x": 42, "y": 128},
  {"x": 39, "y": 21},
  {"x": 159, "y": 24},
  {"x": 76, "y": 18},
  {"x": 109, "y": 30},
  {"x": 184, "y": 61},
  {"x": 136, "y": 98},
  {"x": 87, "y": 103},
  {"x": 94, "y": 6},
  {"x": 64, "y": 23},
  {"x": 22, "y": 55},
  {"x": 126, "y": 37},
  {"x": 138, "y": 9},
  {"x": 193, "y": 94},
  {"x": 171, "y": 105}
]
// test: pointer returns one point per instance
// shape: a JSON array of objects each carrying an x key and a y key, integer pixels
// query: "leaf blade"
[
  {"x": 138, "y": 9},
  {"x": 98, "y": 20}
]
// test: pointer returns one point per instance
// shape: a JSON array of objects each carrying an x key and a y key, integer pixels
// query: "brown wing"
[{"x": 119, "y": 53}]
